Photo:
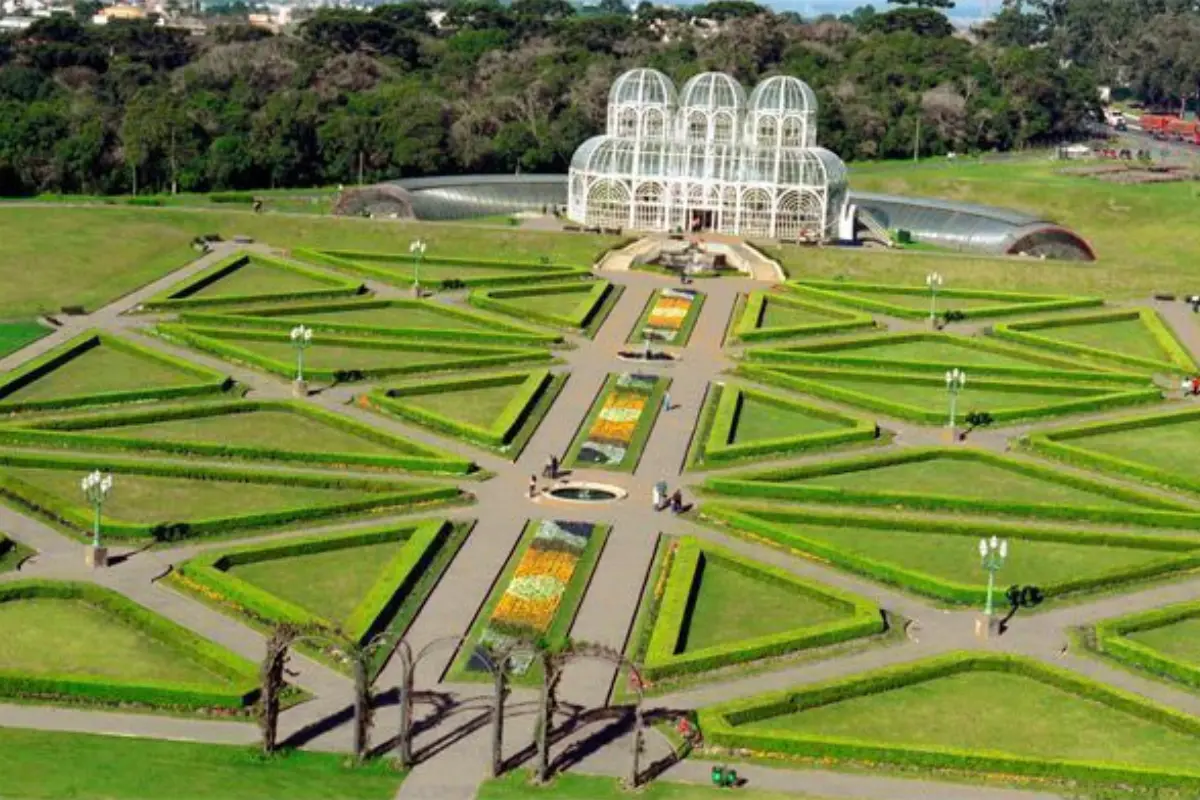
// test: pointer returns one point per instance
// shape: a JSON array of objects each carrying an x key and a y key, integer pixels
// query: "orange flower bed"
[
  {"x": 629, "y": 402},
  {"x": 537, "y": 614},
  {"x": 615, "y": 431},
  {"x": 557, "y": 564}
]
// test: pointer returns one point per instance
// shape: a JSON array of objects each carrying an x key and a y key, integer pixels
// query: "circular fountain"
[{"x": 578, "y": 492}]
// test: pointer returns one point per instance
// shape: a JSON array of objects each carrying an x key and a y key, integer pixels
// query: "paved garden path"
[{"x": 453, "y": 736}]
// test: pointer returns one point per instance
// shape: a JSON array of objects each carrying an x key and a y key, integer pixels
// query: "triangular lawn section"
[
  {"x": 400, "y": 269},
  {"x": 329, "y": 584},
  {"x": 58, "y": 636},
  {"x": 779, "y": 313},
  {"x": 721, "y": 608},
  {"x": 964, "y": 479},
  {"x": 1137, "y": 337},
  {"x": 772, "y": 417},
  {"x": 771, "y": 315},
  {"x": 543, "y": 303},
  {"x": 259, "y": 278},
  {"x": 251, "y": 277},
  {"x": 952, "y": 557},
  {"x": 579, "y": 306},
  {"x": 475, "y": 405},
  {"x": 970, "y": 704},
  {"x": 945, "y": 350},
  {"x": 98, "y": 368},
  {"x": 1129, "y": 336},
  {"x": 1178, "y": 640}
]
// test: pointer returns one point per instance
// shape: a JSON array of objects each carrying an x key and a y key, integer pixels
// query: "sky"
[{"x": 964, "y": 10}]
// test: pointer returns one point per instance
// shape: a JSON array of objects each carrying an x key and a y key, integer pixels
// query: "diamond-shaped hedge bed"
[
  {"x": 167, "y": 501},
  {"x": 437, "y": 272},
  {"x": 98, "y": 368},
  {"x": 711, "y": 608},
  {"x": 1162, "y": 641},
  {"x": 913, "y": 302},
  {"x": 82, "y": 643},
  {"x": 244, "y": 430},
  {"x": 356, "y": 583},
  {"x": 974, "y": 714},
  {"x": 577, "y": 306},
  {"x": 766, "y": 316}
]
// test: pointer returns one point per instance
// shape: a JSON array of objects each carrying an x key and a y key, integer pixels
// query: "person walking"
[
  {"x": 553, "y": 467},
  {"x": 666, "y": 401},
  {"x": 660, "y": 495},
  {"x": 533, "y": 486},
  {"x": 677, "y": 502}
]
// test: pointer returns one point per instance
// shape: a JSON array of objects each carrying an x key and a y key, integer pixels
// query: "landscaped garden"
[
  {"x": 669, "y": 317},
  {"x": 615, "y": 431}
]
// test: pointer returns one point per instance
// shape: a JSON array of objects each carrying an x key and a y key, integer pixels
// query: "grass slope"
[{"x": 124, "y": 768}]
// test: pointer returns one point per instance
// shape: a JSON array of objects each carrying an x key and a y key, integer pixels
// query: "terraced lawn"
[
  {"x": 48, "y": 636},
  {"x": 960, "y": 478},
  {"x": 760, "y": 419},
  {"x": 148, "y": 498},
  {"x": 1051, "y": 722},
  {"x": 955, "y": 558},
  {"x": 330, "y": 584},
  {"x": 1179, "y": 640},
  {"x": 731, "y": 605},
  {"x": 257, "y": 278},
  {"x": 101, "y": 369},
  {"x": 1123, "y": 336},
  {"x": 274, "y": 429}
]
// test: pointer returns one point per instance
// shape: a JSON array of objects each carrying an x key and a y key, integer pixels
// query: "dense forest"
[{"x": 386, "y": 93}]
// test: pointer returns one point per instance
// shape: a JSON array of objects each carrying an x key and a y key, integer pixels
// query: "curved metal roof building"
[{"x": 958, "y": 226}]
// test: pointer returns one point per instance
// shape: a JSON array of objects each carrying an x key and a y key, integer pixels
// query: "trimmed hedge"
[
  {"x": 208, "y": 574},
  {"x": 287, "y": 317},
  {"x": 685, "y": 329},
  {"x": 1111, "y": 639},
  {"x": 717, "y": 428},
  {"x": 358, "y": 263},
  {"x": 839, "y": 353},
  {"x": 586, "y": 313},
  {"x": 1158, "y": 511},
  {"x": 683, "y": 582},
  {"x": 633, "y": 451},
  {"x": 241, "y": 675},
  {"x": 1007, "y": 303},
  {"x": 747, "y": 327},
  {"x": 1050, "y": 444},
  {"x": 182, "y": 294},
  {"x": 721, "y": 723},
  {"x": 381, "y": 495},
  {"x": 213, "y": 340},
  {"x": 75, "y": 433},
  {"x": 503, "y": 430},
  {"x": 760, "y": 525},
  {"x": 807, "y": 380},
  {"x": 1176, "y": 356},
  {"x": 207, "y": 381}
]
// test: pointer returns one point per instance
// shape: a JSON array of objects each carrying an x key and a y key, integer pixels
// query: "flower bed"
[
  {"x": 670, "y": 316},
  {"x": 542, "y": 588},
  {"x": 617, "y": 427}
]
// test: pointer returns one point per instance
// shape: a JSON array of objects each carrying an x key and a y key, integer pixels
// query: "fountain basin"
[{"x": 579, "y": 492}]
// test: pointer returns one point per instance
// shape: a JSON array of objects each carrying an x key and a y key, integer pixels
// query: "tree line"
[{"x": 371, "y": 95}]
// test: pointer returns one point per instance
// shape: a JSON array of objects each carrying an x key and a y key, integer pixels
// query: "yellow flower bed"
[
  {"x": 556, "y": 564},
  {"x": 536, "y": 614}
]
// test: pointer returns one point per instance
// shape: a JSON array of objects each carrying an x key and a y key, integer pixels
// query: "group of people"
[
  {"x": 550, "y": 471},
  {"x": 662, "y": 499}
]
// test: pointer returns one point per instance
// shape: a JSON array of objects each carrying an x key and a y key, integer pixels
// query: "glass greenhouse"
[{"x": 709, "y": 158}]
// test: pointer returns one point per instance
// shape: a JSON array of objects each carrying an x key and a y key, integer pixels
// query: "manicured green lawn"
[
  {"x": 1169, "y": 447},
  {"x": 955, "y": 558},
  {"x": 996, "y": 711},
  {"x": 45, "y": 636},
  {"x": 557, "y": 302},
  {"x": 921, "y": 300},
  {"x": 959, "y": 478},
  {"x": 1179, "y": 640},
  {"x": 1123, "y": 336},
  {"x": 91, "y": 256},
  {"x": 255, "y": 278},
  {"x": 573, "y": 786},
  {"x": 150, "y": 498},
  {"x": 432, "y": 273},
  {"x": 480, "y": 406},
  {"x": 944, "y": 351},
  {"x": 15, "y": 335},
  {"x": 759, "y": 419},
  {"x": 101, "y": 369},
  {"x": 50, "y": 765},
  {"x": 780, "y": 314},
  {"x": 731, "y": 605},
  {"x": 274, "y": 429},
  {"x": 329, "y": 356},
  {"x": 396, "y": 317},
  {"x": 928, "y": 395},
  {"x": 11, "y": 553},
  {"x": 330, "y": 584}
]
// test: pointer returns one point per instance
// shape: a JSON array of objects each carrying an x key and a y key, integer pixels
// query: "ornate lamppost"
[
  {"x": 96, "y": 488},
  {"x": 934, "y": 281},
  {"x": 992, "y": 553},
  {"x": 302, "y": 337},
  {"x": 417, "y": 248},
  {"x": 956, "y": 379}
]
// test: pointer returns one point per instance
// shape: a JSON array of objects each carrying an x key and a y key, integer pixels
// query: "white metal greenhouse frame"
[{"x": 709, "y": 158}]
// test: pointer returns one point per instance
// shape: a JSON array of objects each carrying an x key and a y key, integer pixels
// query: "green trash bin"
[
  {"x": 904, "y": 236},
  {"x": 718, "y": 775},
  {"x": 731, "y": 777}
]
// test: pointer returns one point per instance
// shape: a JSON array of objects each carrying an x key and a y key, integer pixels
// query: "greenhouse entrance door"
[{"x": 702, "y": 220}]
